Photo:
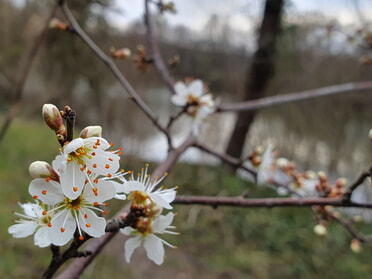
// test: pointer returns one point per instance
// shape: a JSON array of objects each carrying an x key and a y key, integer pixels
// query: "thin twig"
[
  {"x": 359, "y": 181},
  {"x": 112, "y": 66},
  {"x": 295, "y": 97},
  {"x": 235, "y": 162},
  {"x": 348, "y": 226},
  {"x": 157, "y": 58},
  {"x": 18, "y": 91}
]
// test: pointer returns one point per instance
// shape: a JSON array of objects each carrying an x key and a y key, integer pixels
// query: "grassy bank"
[{"x": 214, "y": 243}]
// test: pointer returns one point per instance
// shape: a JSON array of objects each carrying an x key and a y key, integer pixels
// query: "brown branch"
[
  {"x": 348, "y": 226},
  {"x": 111, "y": 65},
  {"x": 295, "y": 97},
  {"x": 157, "y": 58},
  {"x": 266, "y": 202},
  {"x": 359, "y": 181},
  {"x": 18, "y": 91}
]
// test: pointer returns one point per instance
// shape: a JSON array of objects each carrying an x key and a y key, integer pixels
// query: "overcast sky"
[{"x": 243, "y": 14}]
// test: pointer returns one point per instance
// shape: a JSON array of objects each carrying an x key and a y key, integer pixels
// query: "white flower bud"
[
  {"x": 91, "y": 131},
  {"x": 320, "y": 230},
  {"x": 355, "y": 245},
  {"x": 52, "y": 116},
  {"x": 41, "y": 169}
]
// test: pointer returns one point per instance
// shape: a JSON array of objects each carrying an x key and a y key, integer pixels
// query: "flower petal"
[
  {"x": 154, "y": 248},
  {"x": 48, "y": 191},
  {"x": 130, "y": 245},
  {"x": 24, "y": 229},
  {"x": 105, "y": 190},
  {"x": 196, "y": 88},
  {"x": 41, "y": 237},
  {"x": 162, "y": 222},
  {"x": 63, "y": 228},
  {"x": 72, "y": 180},
  {"x": 91, "y": 223}
]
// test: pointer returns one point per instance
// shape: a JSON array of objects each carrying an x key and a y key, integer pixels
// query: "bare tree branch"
[
  {"x": 295, "y": 97},
  {"x": 112, "y": 66},
  {"x": 266, "y": 202},
  {"x": 18, "y": 91},
  {"x": 158, "y": 60}
]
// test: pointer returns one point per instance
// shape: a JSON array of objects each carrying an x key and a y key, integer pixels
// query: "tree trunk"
[{"x": 259, "y": 72}]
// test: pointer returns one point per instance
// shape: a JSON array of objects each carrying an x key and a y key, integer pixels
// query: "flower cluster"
[
  {"x": 284, "y": 175},
  {"x": 148, "y": 202},
  {"x": 197, "y": 102},
  {"x": 71, "y": 195}
]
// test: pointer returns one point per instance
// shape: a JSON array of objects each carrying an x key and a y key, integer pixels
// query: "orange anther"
[
  {"x": 87, "y": 225},
  {"x": 110, "y": 159},
  {"x": 109, "y": 175},
  {"x": 47, "y": 179},
  {"x": 95, "y": 203},
  {"x": 95, "y": 180},
  {"x": 94, "y": 165},
  {"x": 35, "y": 197},
  {"x": 105, "y": 212},
  {"x": 63, "y": 229},
  {"x": 89, "y": 172},
  {"x": 81, "y": 238},
  {"x": 44, "y": 192},
  {"x": 44, "y": 212},
  {"x": 49, "y": 225},
  {"x": 75, "y": 189},
  {"x": 85, "y": 215},
  {"x": 93, "y": 153},
  {"x": 107, "y": 166}
]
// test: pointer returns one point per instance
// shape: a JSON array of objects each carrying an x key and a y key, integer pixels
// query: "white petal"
[
  {"x": 24, "y": 229},
  {"x": 162, "y": 222},
  {"x": 178, "y": 100},
  {"x": 127, "y": 230},
  {"x": 73, "y": 145},
  {"x": 63, "y": 220},
  {"x": 92, "y": 141},
  {"x": 41, "y": 237},
  {"x": 161, "y": 200},
  {"x": 49, "y": 192},
  {"x": 105, "y": 191},
  {"x": 180, "y": 88},
  {"x": 196, "y": 88},
  {"x": 130, "y": 245},
  {"x": 154, "y": 248},
  {"x": 59, "y": 164},
  {"x": 32, "y": 209},
  {"x": 72, "y": 180},
  {"x": 103, "y": 162},
  {"x": 91, "y": 223},
  {"x": 131, "y": 186}
]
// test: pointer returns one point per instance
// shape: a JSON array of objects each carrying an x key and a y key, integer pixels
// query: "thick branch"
[
  {"x": 266, "y": 202},
  {"x": 295, "y": 97}
]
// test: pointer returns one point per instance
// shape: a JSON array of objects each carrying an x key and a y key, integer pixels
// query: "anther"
[
  {"x": 75, "y": 189},
  {"x": 44, "y": 192},
  {"x": 63, "y": 229},
  {"x": 107, "y": 166},
  {"x": 47, "y": 179}
]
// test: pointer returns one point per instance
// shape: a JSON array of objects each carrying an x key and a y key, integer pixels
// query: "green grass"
[{"x": 214, "y": 243}]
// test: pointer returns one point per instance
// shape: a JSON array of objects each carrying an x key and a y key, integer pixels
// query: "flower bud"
[
  {"x": 41, "y": 169},
  {"x": 57, "y": 24},
  {"x": 122, "y": 53},
  {"x": 91, "y": 131},
  {"x": 52, "y": 116},
  {"x": 355, "y": 245},
  {"x": 320, "y": 230}
]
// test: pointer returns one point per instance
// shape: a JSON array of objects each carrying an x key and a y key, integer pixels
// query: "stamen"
[
  {"x": 75, "y": 189},
  {"x": 107, "y": 166},
  {"x": 95, "y": 203},
  {"x": 44, "y": 212},
  {"x": 89, "y": 172},
  {"x": 35, "y": 197},
  {"x": 47, "y": 179},
  {"x": 63, "y": 229},
  {"x": 93, "y": 153},
  {"x": 49, "y": 225},
  {"x": 44, "y": 192},
  {"x": 95, "y": 180},
  {"x": 87, "y": 225},
  {"x": 110, "y": 159},
  {"x": 85, "y": 215},
  {"x": 105, "y": 212},
  {"x": 94, "y": 166},
  {"x": 109, "y": 175},
  {"x": 81, "y": 238}
]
